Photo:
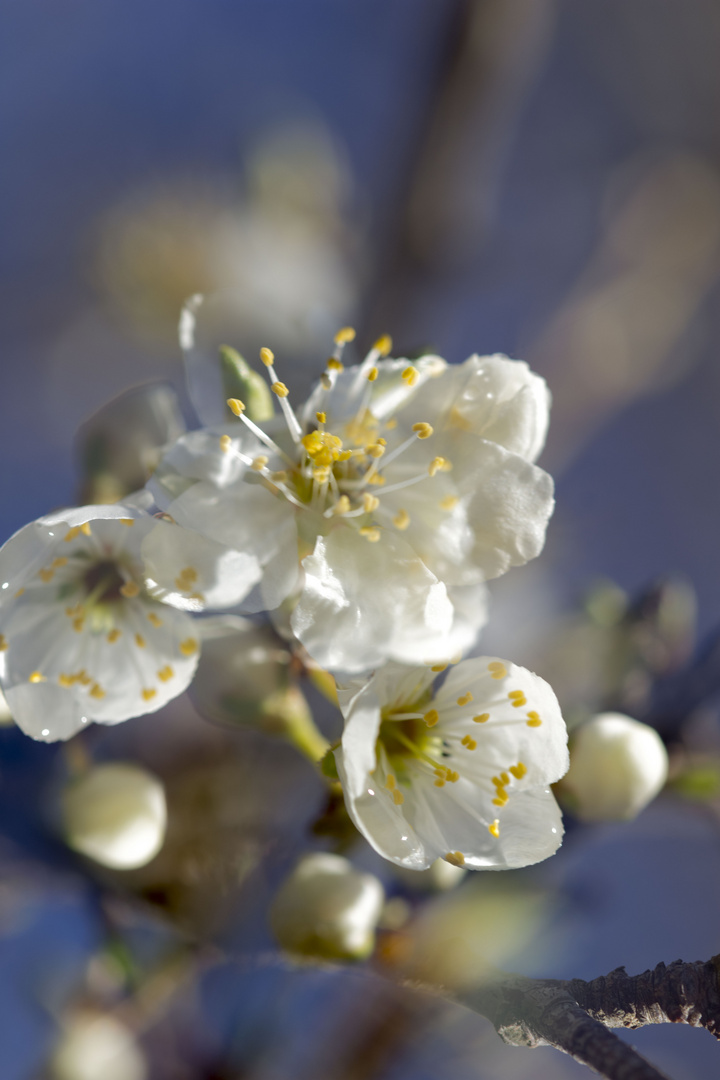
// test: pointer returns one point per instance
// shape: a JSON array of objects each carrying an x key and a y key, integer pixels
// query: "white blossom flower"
[
  {"x": 461, "y": 773},
  {"x": 617, "y": 766},
  {"x": 116, "y": 814},
  {"x": 81, "y": 637},
  {"x": 381, "y": 507}
]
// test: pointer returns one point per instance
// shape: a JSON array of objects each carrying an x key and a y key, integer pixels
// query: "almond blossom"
[
  {"x": 461, "y": 773},
  {"x": 82, "y": 637},
  {"x": 377, "y": 510}
]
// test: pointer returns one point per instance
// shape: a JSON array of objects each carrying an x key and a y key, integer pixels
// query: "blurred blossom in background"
[{"x": 534, "y": 177}]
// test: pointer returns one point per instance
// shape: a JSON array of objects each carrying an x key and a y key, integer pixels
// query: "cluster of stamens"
[{"x": 330, "y": 472}]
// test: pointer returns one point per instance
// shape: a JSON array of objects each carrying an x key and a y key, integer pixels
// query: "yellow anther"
[
  {"x": 345, "y": 455},
  {"x": 130, "y": 589},
  {"x": 381, "y": 442},
  {"x": 127, "y": 521},
  {"x": 97, "y": 691},
  {"x": 383, "y": 345},
  {"x": 36, "y": 677},
  {"x": 3, "y": 643},
  {"x": 517, "y": 698},
  {"x": 186, "y": 579},
  {"x": 533, "y": 720},
  {"x": 375, "y": 450},
  {"x": 390, "y": 782},
  {"x": 279, "y": 477},
  {"x": 113, "y": 635},
  {"x": 342, "y": 505},
  {"x": 497, "y": 781},
  {"x": 154, "y": 619},
  {"x": 494, "y": 829},
  {"x": 140, "y": 641},
  {"x": 71, "y": 533},
  {"x": 501, "y": 797},
  {"x": 371, "y": 534},
  {"x": 391, "y": 424},
  {"x": 497, "y": 670},
  {"x": 235, "y": 406},
  {"x": 75, "y": 610},
  {"x": 188, "y": 646},
  {"x": 59, "y": 561},
  {"x": 321, "y": 417},
  {"x": 431, "y": 717},
  {"x": 344, "y": 335},
  {"x": 518, "y": 770},
  {"x": 423, "y": 430},
  {"x": 267, "y": 356},
  {"x": 20, "y": 591},
  {"x": 225, "y": 443},
  {"x": 469, "y": 742},
  {"x": 165, "y": 673},
  {"x": 78, "y": 624},
  {"x": 438, "y": 667},
  {"x": 452, "y": 776},
  {"x": 455, "y": 858},
  {"x": 66, "y": 681},
  {"x": 334, "y": 364},
  {"x": 439, "y": 783},
  {"x": 85, "y": 529},
  {"x": 370, "y": 502},
  {"x": 372, "y": 374},
  {"x": 46, "y": 575},
  {"x": 398, "y": 797},
  {"x": 482, "y": 718},
  {"x": 505, "y": 779},
  {"x": 465, "y": 699},
  {"x": 438, "y": 464},
  {"x": 321, "y": 474},
  {"x": 410, "y": 375},
  {"x": 280, "y": 389},
  {"x": 449, "y": 502},
  {"x": 401, "y": 520},
  {"x": 83, "y": 678},
  {"x": 259, "y": 462},
  {"x": 148, "y": 694},
  {"x": 376, "y": 478}
]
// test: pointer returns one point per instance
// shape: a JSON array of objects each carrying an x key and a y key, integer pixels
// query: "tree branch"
[{"x": 574, "y": 1016}]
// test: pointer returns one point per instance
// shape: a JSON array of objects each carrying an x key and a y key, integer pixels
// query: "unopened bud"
[
  {"x": 617, "y": 766},
  {"x": 327, "y": 909},
  {"x": 95, "y": 1046},
  {"x": 116, "y": 814}
]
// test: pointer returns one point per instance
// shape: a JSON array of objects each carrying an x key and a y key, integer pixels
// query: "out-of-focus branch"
[{"x": 574, "y": 1016}]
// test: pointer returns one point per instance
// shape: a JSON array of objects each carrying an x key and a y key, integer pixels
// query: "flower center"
[
  {"x": 103, "y": 583},
  {"x": 331, "y": 474}
]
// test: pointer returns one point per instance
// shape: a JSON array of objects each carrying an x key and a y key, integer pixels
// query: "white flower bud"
[
  {"x": 617, "y": 766},
  {"x": 94, "y": 1046},
  {"x": 116, "y": 815},
  {"x": 327, "y": 909}
]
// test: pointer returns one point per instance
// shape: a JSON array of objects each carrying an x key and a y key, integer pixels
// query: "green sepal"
[{"x": 240, "y": 381}]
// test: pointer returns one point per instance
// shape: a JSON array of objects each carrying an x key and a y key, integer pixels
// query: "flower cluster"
[
  {"x": 367, "y": 522},
  {"x": 377, "y": 511}
]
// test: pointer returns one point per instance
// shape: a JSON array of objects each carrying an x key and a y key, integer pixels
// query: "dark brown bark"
[{"x": 575, "y": 1016}]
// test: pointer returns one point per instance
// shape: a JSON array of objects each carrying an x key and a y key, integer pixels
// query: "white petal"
[
  {"x": 45, "y": 711},
  {"x": 381, "y": 821},
  {"x": 357, "y": 752},
  {"x": 511, "y": 734},
  {"x": 363, "y": 603},
  {"x": 191, "y": 572},
  {"x": 510, "y": 503},
  {"x": 252, "y": 521},
  {"x": 198, "y": 456}
]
